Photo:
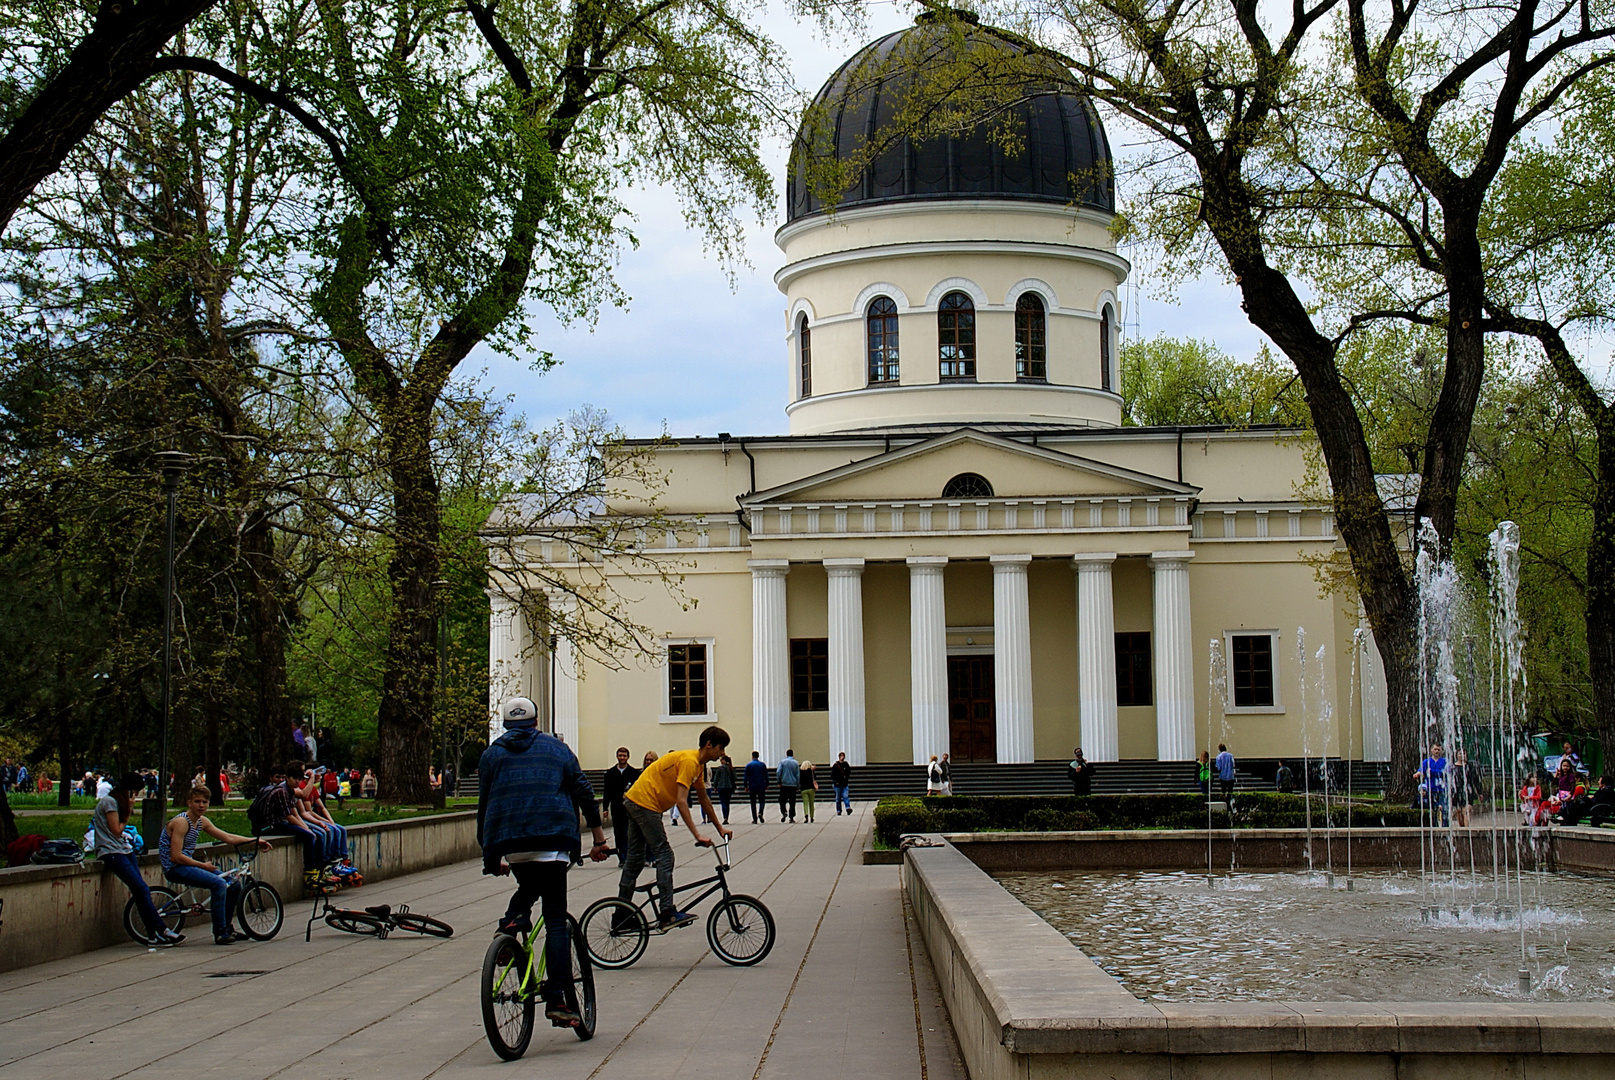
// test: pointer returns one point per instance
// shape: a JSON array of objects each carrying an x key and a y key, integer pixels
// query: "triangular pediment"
[{"x": 1014, "y": 469}]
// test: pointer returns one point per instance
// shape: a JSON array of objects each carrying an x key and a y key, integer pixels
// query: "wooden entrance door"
[{"x": 972, "y": 728}]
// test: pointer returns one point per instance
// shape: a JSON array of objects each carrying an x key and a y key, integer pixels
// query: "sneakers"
[
  {"x": 347, "y": 874},
  {"x": 319, "y": 880},
  {"x": 521, "y": 924},
  {"x": 557, "y": 1013},
  {"x": 167, "y": 937},
  {"x": 675, "y": 920},
  {"x": 229, "y": 937}
]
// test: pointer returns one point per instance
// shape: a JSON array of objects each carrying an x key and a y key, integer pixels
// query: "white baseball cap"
[{"x": 519, "y": 712}]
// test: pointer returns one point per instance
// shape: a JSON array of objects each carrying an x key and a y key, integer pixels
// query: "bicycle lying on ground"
[
  {"x": 740, "y": 929},
  {"x": 258, "y": 911},
  {"x": 377, "y": 921},
  {"x": 513, "y": 984}
]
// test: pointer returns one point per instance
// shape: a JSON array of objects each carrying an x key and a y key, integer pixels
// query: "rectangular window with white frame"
[
  {"x": 688, "y": 689},
  {"x": 1253, "y": 671}
]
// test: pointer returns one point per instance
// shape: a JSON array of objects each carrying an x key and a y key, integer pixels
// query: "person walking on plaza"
[
  {"x": 531, "y": 793},
  {"x": 1284, "y": 779},
  {"x": 618, "y": 779},
  {"x": 841, "y": 780},
  {"x": 933, "y": 777},
  {"x": 757, "y": 787},
  {"x": 723, "y": 784},
  {"x": 1225, "y": 773},
  {"x": 810, "y": 789},
  {"x": 1203, "y": 773},
  {"x": 114, "y": 849},
  {"x": 790, "y": 783},
  {"x": 176, "y": 849},
  {"x": 947, "y": 776},
  {"x": 666, "y": 785},
  {"x": 1080, "y": 773}
]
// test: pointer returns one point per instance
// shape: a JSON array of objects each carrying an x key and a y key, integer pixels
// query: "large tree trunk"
[
  {"x": 108, "y": 64},
  {"x": 404, "y": 723},
  {"x": 8, "y": 822},
  {"x": 1601, "y": 591},
  {"x": 212, "y": 756},
  {"x": 274, "y": 727}
]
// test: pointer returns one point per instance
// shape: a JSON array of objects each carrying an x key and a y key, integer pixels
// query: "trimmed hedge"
[{"x": 899, "y": 814}]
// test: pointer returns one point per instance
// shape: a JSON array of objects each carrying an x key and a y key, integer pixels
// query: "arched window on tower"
[
  {"x": 956, "y": 335},
  {"x": 968, "y": 485},
  {"x": 1031, "y": 349},
  {"x": 804, "y": 348},
  {"x": 1107, "y": 348},
  {"x": 882, "y": 329}
]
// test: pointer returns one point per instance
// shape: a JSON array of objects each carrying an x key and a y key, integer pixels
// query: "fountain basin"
[{"x": 1025, "y": 1003}]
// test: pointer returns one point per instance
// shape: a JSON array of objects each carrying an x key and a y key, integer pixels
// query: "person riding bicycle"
[
  {"x": 665, "y": 784},
  {"x": 177, "y": 850},
  {"x": 531, "y": 789}
]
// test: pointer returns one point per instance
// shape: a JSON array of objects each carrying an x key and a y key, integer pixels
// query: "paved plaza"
[{"x": 846, "y": 992}]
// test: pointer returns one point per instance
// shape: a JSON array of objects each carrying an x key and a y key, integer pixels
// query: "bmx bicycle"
[
  {"x": 513, "y": 983},
  {"x": 740, "y": 929},
  {"x": 258, "y": 909},
  {"x": 377, "y": 921}
]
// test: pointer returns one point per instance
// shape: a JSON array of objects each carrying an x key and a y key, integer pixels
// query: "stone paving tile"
[{"x": 835, "y": 998}]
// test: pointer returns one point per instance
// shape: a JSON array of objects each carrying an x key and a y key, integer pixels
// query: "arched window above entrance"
[{"x": 968, "y": 485}]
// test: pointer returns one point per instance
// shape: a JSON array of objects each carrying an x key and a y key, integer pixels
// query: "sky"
[{"x": 694, "y": 356}]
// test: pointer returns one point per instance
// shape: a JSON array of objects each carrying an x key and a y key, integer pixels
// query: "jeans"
[
  {"x": 725, "y": 796},
  {"x": 843, "y": 798},
  {"x": 313, "y": 846},
  {"x": 647, "y": 836},
  {"x": 787, "y": 802},
  {"x": 619, "y": 832},
  {"x": 759, "y": 803},
  {"x": 1226, "y": 787},
  {"x": 128, "y": 872},
  {"x": 545, "y": 882},
  {"x": 337, "y": 840},
  {"x": 225, "y": 892}
]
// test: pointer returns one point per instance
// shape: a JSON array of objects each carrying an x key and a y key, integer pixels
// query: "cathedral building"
[{"x": 959, "y": 548}]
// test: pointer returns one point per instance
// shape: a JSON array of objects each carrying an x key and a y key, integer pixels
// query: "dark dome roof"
[{"x": 1056, "y": 153}]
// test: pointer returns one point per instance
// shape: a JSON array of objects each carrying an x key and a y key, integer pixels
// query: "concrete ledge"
[
  {"x": 874, "y": 856},
  {"x": 1027, "y": 1003},
  {"x": 48, "y": 912}
]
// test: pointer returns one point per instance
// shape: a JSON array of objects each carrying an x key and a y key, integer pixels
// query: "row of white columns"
[
  {"x": 1012, "y": 650},
  {"x": 510, "y": 648}
]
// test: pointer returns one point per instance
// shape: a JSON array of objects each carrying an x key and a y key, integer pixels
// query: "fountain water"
[
  {"x": 1306, "y": 764},
  {"x": 1217, "y": 703}
]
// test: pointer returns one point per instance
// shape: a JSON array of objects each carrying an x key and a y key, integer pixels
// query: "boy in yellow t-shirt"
[{"x": 664, "y": 785}]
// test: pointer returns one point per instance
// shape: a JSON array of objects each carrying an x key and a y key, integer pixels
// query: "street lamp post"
[{"x": 171, "y": 465}]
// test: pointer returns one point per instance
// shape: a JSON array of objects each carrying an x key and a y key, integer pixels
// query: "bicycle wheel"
[
  {"x": 507, "y": 1009},
  {"x": 614, "y": 933},
  {"x": 355, "y": 922},
  {"x": 581, "y": 994},
  {"x": 260, "y": 912},
  {"x": 168, "y": 908},
  {"x": 740, "y": 930},
  {"x": 423, "y": 924}
]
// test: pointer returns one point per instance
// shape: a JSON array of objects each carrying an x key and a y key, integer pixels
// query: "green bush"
[{"x": 899, "y": 814}]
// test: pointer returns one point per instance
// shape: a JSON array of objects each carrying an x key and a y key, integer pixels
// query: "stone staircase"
[{"x": 879, "y": 779}]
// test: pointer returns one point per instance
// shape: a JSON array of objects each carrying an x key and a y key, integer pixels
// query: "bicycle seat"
[{"x": 380, "y": 910}]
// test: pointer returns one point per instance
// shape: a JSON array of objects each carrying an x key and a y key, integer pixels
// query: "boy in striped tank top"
[{"x": 177, "y": 849}]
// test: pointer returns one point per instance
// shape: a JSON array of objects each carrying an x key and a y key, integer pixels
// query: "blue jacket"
[
  {"x": 790, "y": 772},
  {"x": 531, "y": 791},
  {"x": 756, "y": 776}
]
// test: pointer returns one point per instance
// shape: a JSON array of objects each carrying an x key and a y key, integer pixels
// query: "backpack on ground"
[
  {"x": 58, "y": 853},
  {"x": 22, "y": 849}
]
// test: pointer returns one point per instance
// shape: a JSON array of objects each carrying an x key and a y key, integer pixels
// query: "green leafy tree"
[{"x": 1170, "y": 382}]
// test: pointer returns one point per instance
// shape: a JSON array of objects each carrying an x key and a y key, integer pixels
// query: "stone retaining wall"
[
  {"x": 47, "y": 912},
  {"x": 1028, "y": 1005}
]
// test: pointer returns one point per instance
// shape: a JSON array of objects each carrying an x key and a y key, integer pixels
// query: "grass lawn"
[{"x": 76, "y": 824}]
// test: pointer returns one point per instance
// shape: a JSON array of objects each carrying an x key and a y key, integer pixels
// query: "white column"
[
  {"x": 1174, "y": 658},
  {"x": 1096, "y": 656},
  {"x": 564, "y": 718},
  {"x": 770, "y": 660},
  {"x": 507, "y": 631},
  {"x": 847, "y": 659},
  {"x": 1012, "y": 658},
  {"x": 928, "y": 656}
]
